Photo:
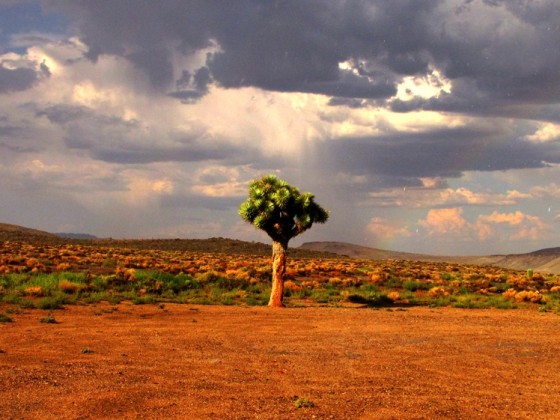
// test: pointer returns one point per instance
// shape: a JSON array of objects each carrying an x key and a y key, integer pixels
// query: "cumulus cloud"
[
  {"x": 433, "y": 193},
  {"x": 383, "y": 229},
  {"x": 509, "y": 218},
  {"x": 523, "y": 226},
  {"x": 444, "y": 221},
  {"x": 515, "y": 226},
  {"x": 546, "y": 132},
  {"x": 216, "y": 181},
  {"x": 552, "y": 190},
  {"x": 20, "y": 73}
]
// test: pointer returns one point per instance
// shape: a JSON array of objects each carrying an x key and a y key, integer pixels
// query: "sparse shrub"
[
  {"x": 34, "y": 291},
  {"x": 498, "y": 287},
  {"x": 416, "y": 285},
  {"x": 469, "y": 301},
  {"x": 446, "y": 276},
  {"x": 51, "y": 302},
  {"x": 96, "y": 297},
  {"x": 68, "y": 287},
  {"x": 253, "y": 301},
  {"x": 394, "y": 296},
  {"x": 143, "y": 300},
  {"x": 323, "y": 295},
  {"x": 499, "y": 302},
  {"x": 5, "y": 318},
  {"x": 509, "y": 293},
  {"x": 351, "y": 281},
  {"x": 335, "y": 281},
  {"x": 438, "y": 291},
  {"x": 393, "y": 283},
  {"x": 63, "y": 266},
  {"x": 125, "y": 274},
  {"x": 290, "y": 286},
  {"x": 377, "y": 278},
  {"x": 530, "y": 296},
  {"x": 109, "y": 262},
  {"x": 303, "y": 403},
  {"x": 208, "y": 277},
  {"x": 49, "y": 319}
]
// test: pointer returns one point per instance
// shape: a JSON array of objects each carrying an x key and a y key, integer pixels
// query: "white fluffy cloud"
[
  {"x": 515, "y": 226},
  {"x": 434, "y": 194},
  {"x": 546, "y": 132},
  {"x": 383, "y": 229},
  {"x": 445, "y": 221}
]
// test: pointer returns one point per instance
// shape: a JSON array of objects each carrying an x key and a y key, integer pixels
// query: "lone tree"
[{"x": 283, "y": 213}]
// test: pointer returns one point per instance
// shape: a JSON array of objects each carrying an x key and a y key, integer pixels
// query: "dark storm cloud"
[
  {"x": 62, "y": 114},
  {"x": 506, "y": 50},
  {"x": 112, "y": 139},
  {"x": 16, "y": 79},
  {"x": 284, "y": 46},
  {"x": 199, "y": 82},
  {"x": 188, "y": 152},
  {"x": 443, "y": 153}
]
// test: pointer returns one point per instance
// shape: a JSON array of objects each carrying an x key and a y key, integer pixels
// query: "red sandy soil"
[{"x": 218, "y": 362}]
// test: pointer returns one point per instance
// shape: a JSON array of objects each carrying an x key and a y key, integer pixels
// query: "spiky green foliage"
[{"x": 280, "y": 209}]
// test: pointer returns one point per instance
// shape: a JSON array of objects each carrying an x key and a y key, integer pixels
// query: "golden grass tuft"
[
  {"x": 34, "y": 291},
  {"x": 438, "y": 291},
  {"x": 68, "y": 286},
  {"x": 63, "y": 266},
  {"x": 290, "y": 285},
  {"x": 394, "y": 296}
]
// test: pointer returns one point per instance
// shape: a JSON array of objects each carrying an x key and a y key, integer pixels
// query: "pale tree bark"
[{"x": 278, "y": 271}]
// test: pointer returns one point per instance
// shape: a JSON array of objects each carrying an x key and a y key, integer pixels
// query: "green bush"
[
  {"x": 55, "y": 301},
  {"x": 393, "y": 283},
  {"x": 413, "y": 286},
  {"x": 144, "y": 300},
  {"x": 49, "y": 319}
]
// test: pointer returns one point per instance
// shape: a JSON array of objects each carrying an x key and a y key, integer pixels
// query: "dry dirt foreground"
[{"x": 217, "y": 362}]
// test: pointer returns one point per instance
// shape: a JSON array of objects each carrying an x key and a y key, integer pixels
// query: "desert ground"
[{"x": 167, "y": 361}]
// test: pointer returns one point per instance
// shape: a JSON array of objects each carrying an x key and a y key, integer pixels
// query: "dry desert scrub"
[{"x": 72, "y": 273}]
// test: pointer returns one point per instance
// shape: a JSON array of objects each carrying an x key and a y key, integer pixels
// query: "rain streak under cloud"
[{"x": 423, "y": 126}]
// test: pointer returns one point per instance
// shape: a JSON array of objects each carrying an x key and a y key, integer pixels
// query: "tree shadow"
[{"x": 380, "y": 301}]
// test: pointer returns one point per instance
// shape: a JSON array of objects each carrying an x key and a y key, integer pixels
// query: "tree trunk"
[{"x": 278, "y": 270}]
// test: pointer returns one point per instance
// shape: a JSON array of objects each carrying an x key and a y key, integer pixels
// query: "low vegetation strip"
[{"x": 50, "y": 276}]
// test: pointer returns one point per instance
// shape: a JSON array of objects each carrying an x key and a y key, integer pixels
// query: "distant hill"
[
  {"x": 16, "y": 233},
  {"x": 358, "y": 251},
  {"x": 547, "y": 251},
  {"x": 22, "y": 234},
  {"x": 544, "y": 260},
  {"x": 75, "y": 235},
  {"x": 213, "y": 245}
]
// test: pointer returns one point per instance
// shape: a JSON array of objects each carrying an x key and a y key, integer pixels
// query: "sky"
[{"x": 428, "y": 126}]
